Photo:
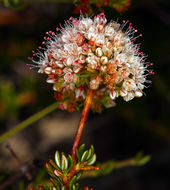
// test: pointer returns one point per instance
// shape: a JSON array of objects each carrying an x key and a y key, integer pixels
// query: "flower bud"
[
  {"x": 138, "y": 93},
  {"x": 49, "y": 80},
  {"x": 104, "y": 60},
  {"x": 99, "y": 52},
  {"x": 47, "y": 70},
  {"x": 59, "y": 64},
  {"x": 113, "y": 94}
]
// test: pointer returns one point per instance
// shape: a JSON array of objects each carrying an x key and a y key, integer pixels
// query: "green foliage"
[
  {"x": 63, "y": 163},
  {"x": 87, "y": 157},
  {"x": 65, "y": 173},
  {"x": 16, "y": 4},
  {"x": 109, "y": 166},
  {"x": 141, "y": 160}
]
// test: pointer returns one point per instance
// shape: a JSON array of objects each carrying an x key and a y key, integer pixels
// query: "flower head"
[{"x": 91, "y": 53}]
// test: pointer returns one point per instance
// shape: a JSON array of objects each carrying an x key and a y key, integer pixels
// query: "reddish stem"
[
  {"x": 82, "y": 122},
  {"x": 79, "y": 133}
]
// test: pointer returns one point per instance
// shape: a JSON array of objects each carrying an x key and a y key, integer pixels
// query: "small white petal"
[
  {"x": 47, "y": 70},
  {"x": 69, "y": 61},
  {"x": 99, "y": 52},
  {"x": 53, "y": 71},
  {"x": 123, "y": 92},
  {"x": 113, "y": 95},
  {"x": 59, "y": 64},
  {"x": 50, "y": 80},
  {"x": 54, "y": 87},
  {"x": 129, "y": 96},
  {"x": 138, "y": 94},
  {"x": 104, "y": 60},
  {"x": 67, "y": 70}
]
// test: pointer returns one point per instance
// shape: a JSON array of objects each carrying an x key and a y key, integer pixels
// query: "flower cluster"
[{"x": 91, "y": 53}]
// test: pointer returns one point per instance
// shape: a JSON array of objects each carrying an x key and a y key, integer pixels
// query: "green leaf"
[
  {"x": 57, "y": 159},
  {"x": 80, "y": 152},
  {"x": 90, "y": 152},
  {"x": 84, "y": 156},
  {"x": 64, "y": 162},
  {"x": 77, "y": 186},
  {"x": 78, "y": 176},
  {"x": 140, "y": 159},
  {"x": 73, "y": 180},
  {"x": 70, "y": 163},
  {"x": 78, "y": 156},
  {"x": 92, "y": 160},
  {"x": 53, "y": 164},
  {"x": 144, "y": 160},
  {"x": 57, "y": 182},
  {"x": 63, "y": 188},
  {"x": 73, "y": 187},
  {"x": 49, "y": 168},
  {"x": 92, "y": 149}
]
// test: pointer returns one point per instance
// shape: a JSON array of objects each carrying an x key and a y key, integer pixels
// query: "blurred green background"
[{"x": 119, "y": 132}]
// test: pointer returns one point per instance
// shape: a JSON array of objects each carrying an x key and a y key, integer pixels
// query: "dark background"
[{"x": 119, "y": 132}]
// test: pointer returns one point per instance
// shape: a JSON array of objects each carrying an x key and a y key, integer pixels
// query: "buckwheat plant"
[{"x": 90, "y": 63}]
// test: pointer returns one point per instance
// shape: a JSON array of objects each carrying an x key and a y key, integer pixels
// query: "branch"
[
  {"x": 28, "y": 121},
  {"x": 111, "y": 165}
]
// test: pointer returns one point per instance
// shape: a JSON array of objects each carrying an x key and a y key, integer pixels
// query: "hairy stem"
[
  {"x": 82, "y": 122},
  {"x": 28, "y": 121}
]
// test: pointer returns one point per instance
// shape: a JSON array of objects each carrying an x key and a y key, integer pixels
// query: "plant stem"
[
  {"x": 28, "y": 121},
  {"x": 82, "y": 122}
]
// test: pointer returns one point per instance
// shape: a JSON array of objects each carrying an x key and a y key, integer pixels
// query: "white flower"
[
  {"x": 129, "y": 96},
  {"x": 92, "y": 54},
  {"x": 109, "y": 32},
  {"x": 113, "y": 94},
  {"x": 84, "y": 24},
  {"x": 99, "y": 52},
  {"x": 129, "y": 84}
]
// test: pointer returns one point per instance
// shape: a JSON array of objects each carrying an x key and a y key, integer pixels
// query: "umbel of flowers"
[{"x": 89, "y": 53}]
